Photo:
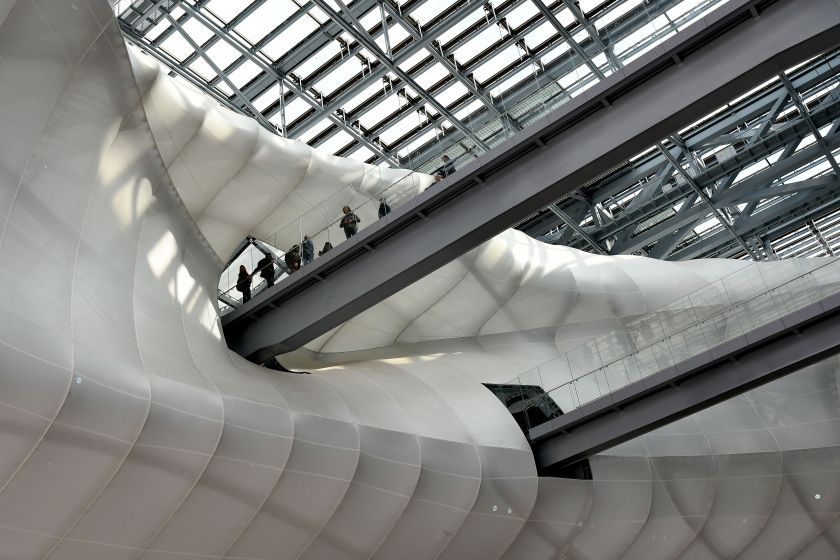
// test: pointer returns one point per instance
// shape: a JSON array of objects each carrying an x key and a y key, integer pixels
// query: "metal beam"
[
  {"x": 779, "y": 348},
  {"x": 578, "y": 14},
  {"x": 650, "y": 99},
  {"x": 450, "y": 65},
  {"x": 257, "y": 115},
  {"x": 724, "y": 221},
  {"x": 576, "y": 228},
  {"x": 561, "y": 29},
  {"x": 282, "y": 78},
  {"x": 818, "y": 234},
  {"x": 806, "y": 114},
  {"x": 358, "y": 32}
]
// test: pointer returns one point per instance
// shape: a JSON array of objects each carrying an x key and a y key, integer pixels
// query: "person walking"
[
  {"x": 266, "y": 267},
  {"x": 349, "y": 222},
  {"x": 445, "y": 170},
  {"x": 243, "y": 283},
  {"x": 308, "y": 250},
  {"x": 384, "y": 209},
  {"x": 292, "y": 258},
  {"x": 327, "y": 248}
]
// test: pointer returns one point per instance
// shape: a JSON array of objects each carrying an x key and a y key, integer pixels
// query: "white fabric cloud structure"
[{"x": 128, "y": 430}]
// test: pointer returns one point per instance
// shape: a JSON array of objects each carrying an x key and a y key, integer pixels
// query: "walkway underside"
[
  {"x": 769, "y": 352},
  {"x": 669, "y": 88}
]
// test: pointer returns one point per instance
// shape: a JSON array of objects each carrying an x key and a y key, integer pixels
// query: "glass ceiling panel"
[
  {"x": 522, "y": 13},
  {"x": 332, "y": 49},
  {"x": 265, "y": 18},
  {"x": 163, "y": 25},
  {"x": 244, "y": 74},
  {"x": 226, "y": 10},
  {"x": 318, "y": 55},
  {"x": 290, "y": 38},
  {"x": 462, "y": 25},
  {"x": 431, "y": 9}
]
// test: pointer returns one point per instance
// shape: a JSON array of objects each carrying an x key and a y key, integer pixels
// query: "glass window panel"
[
  {"x": 432, "y": 76},
  {"x": 361, "y": 153},
  {"x": 397, "y": 34},
  {"x": 497, "y": 63},
  {"x": 226, "y": 10},
  {"x": 555, "y": 52},
  {"x": 197, "y": 31},
  {"x": 315, "y": 130},
  {"x": 177, "y": 46},
  {"x": 380, "y": 111},
  {"x": 566, "y": 18},
  {"x": 222, "y": 54},
  {"x": 451, "y": 93},
  {"x": 363, "y": 96},
  {"x": 430, "y": 10},
  {"x": 336, "y": 142},
  {"x": 427, "y": 136},
  {"x": 540, "y": 35},
  {"x": 244, "y": 74},
  {"x": 521, "y": 14},
  {"x": 203, "y": 69},
  {"x": 468, "y": 109},
  {"x": 265, "y": 18},
  {"x": 515, "y": 78},
  {"x": 267, "y": 98},
  {"x": 400, "y": 128},
  {"x": 294, "y": 109},
  {"x": 615, "y": 13},
  {"x": 469, "y": 50},
  {"x": 162, "y": 25},
  {"x": 340, "y": 76},
  {"x": 461, "y": 26},
  {"x": 319, "y": 15},
  {"x": 414, "y": 60},
  {"x": 371, "y": 19},
  {"x": 290, "y": 38},
  {"x": 314, "y": 62}
]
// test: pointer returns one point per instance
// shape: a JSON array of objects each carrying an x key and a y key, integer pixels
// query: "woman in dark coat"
[{"x": 243, "y": 284}]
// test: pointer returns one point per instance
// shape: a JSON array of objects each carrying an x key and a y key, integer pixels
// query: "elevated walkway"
[
  {"x": 669, "y": 87},
  {"x": 693, "y": 353}
]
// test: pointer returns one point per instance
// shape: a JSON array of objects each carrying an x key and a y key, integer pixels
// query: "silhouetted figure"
[
  {"x": 327, "y": 248},
  {"x": 308, "y": 250},
  {"x": 384, "y": 209},
  {"x": 243, "y": 284},
  {"x": 349, "y": 222},
  {"x": 292, "y": 258},
  {"x": 445, "y": 170},
  {"x": 266, "y": 268}
]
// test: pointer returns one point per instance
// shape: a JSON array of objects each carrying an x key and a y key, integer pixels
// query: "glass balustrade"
[{"x": 695, "y": 323}]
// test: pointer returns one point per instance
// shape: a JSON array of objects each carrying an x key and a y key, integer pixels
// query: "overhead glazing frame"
[
  {"x": 648, "y": 206},
  {"x": 142, "y": 16}
]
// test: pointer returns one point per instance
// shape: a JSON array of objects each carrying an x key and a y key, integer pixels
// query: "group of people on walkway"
[
  {"x": 298, "y": 255},
  {"x": 303, "y": 254}
]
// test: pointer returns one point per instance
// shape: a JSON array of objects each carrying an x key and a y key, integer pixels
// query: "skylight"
[{"x": 326, "y": 65}]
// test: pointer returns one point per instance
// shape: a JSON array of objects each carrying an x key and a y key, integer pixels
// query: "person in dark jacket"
[
  {"x": 292, "y": 258},
  {"x": 445, "y": 170},
  {"x": 308, "y": 250},
  {"x": 349, "y": 222},
  {"x": 266, "y": 267},
  {"x": 326, "y": 249},
  {"x": 384, "y": 209},
  {"x": 243, "y": 284}
]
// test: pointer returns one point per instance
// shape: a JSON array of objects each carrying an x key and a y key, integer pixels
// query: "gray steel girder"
[{"x": 651, "y": 98}]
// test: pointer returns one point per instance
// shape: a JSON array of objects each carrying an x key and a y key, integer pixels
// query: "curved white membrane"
[
  {"x": 128, "y": 430},
  {"x": 237, "y": 179}
]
